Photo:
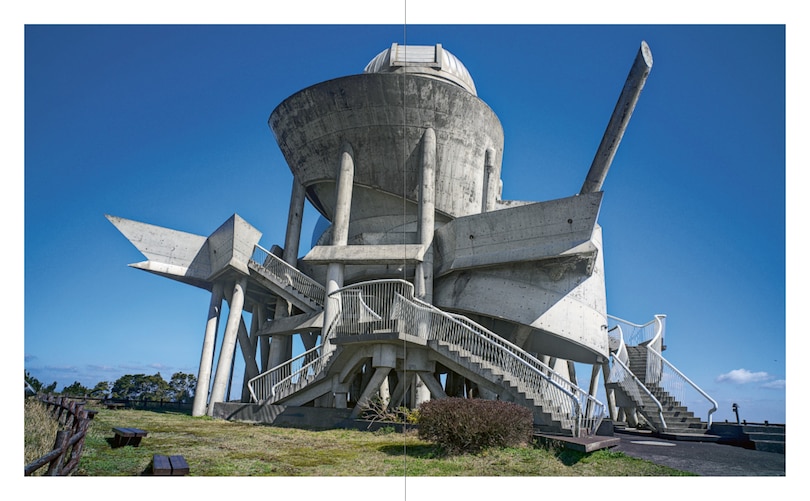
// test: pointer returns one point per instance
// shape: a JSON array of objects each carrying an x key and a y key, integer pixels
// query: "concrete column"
[
  {"x": 594, "y": 386},
  {"x": 207, "y": 357},
  {"x": 492, "y": 177},
  {"x": 423, "y": 278},
  {"x": 264, "y": 341},
  {"x": 228, "y": 343},
  {"x": 432, "y": 384},
  {"x": 340, "y": 231},
  {"x": 248, "y": 347},
  {"x": 610, "y": 395},
  {"x": 281, "y": 346},
  {"x": 380, "y": 375}
]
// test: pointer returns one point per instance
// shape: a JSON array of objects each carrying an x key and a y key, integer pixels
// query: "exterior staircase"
[
  {"x": 548, "y": 418},
  {"x": 645, "y": 383},
  {"x": 678, "y": 419},
  {"x": 380, "y": 309}
]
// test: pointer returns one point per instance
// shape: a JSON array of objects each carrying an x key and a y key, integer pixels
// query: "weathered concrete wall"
[
  {"x": 231, "y": 246},
  {"x": 383, "y": 117},
  {"x": 565, "y": 306}
]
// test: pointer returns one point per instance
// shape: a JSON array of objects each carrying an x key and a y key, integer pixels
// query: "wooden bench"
[
  {"x": 169, "y": 465},
  {"x": 127, "y": 436},
  {"x": 114, "y": 405}
]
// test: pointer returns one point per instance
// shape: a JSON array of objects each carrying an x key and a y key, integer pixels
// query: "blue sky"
[{"x": 168, "y": 125}]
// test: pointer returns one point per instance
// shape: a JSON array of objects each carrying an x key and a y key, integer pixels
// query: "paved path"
[{"x": 702, "y": 458}]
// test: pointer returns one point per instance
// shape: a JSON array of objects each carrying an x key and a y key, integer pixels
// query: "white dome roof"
[{"x": 428, "y": 60}]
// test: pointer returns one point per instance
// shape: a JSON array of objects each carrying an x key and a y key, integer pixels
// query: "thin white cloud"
[
  {"x": 778, "y": 384},
  {"x": 742, "y": 376}
]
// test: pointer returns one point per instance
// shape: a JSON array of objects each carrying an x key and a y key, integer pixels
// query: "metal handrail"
[
  {"x": 393, "y": 302},
  {"x": 288, "y": 274},
  {"x": 641, "y": 333},
  {"x": 390, "y": 303},
  {"x": 671, "y": 379},
  {"x": 620, "y": 373},
  {"x": 285, "y": 378},
  {"x": 659, "y": 370}
]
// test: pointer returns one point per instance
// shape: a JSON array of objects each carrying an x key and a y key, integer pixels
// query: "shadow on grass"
[
  {"x": 570, "y": 457},
  {"x": 415, "y": 451}
]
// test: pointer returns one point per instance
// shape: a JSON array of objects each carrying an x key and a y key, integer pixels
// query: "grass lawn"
[{"x": 215, "y": 447}]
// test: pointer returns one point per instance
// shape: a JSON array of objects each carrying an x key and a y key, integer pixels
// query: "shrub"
[{"x": 462, "y": 425}]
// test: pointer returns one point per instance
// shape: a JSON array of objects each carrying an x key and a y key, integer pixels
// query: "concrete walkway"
[{"x": 702, "y": 458}]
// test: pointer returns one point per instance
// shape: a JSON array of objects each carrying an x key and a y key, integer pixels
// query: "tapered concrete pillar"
[
  {"x": 427, "y": 214},
  {"x": 340, "y": 231},
  {"x": 247, "y": 343},
  {"x": 594, "y": 386},
  {"x": 610, "y": 395},
  {"x": 380, "y": 375},
  {"x": 281, "y": 346},
  {"x": 207, "y": 357},
  {"x": 226, "y": 353},
  {"x": 492, "y": 179}
]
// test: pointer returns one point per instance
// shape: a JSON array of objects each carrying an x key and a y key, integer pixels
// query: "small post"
[{"x": 736, "y": 409}]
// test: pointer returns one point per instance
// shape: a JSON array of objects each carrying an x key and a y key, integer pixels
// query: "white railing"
[
  {"x": 288, "y": 275},
  {"x": 290, "y": 376},
  {"x": 635, "y": 334},
  {"x": 676, "y": 384},
  {"x": 659, "y": 370},
  {"x": 620, "y": 374},
  {"x": 390, "y": 305}
]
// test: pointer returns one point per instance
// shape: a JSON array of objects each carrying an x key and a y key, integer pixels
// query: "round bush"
[{"x": 469, "y": 425}]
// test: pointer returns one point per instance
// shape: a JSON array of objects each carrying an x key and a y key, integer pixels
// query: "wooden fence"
[{"x": 73, "y": 420}]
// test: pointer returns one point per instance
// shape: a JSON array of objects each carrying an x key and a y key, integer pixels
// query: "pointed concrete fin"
[{"x": 166, "y": 249}]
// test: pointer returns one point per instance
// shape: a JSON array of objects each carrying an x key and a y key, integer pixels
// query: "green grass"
[{"x": 215, "y": 447}]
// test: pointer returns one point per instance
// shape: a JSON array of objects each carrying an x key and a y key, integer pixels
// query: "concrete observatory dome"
[{"x": 382, "y": 115}]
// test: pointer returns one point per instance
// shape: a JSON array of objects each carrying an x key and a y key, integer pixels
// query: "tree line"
[{"x": 180, "y": 388}]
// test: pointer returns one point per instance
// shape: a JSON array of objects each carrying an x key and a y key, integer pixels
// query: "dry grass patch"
[{"x": 215, "y": 447}]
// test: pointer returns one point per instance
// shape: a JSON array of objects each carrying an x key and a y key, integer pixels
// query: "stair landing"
[{"x": 582, "y": 444}]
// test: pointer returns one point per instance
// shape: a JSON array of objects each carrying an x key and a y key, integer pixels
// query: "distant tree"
[
  {"x": 75, "y": 390},
  {"x": 140, "y": 387},
  {"x": 101, "y": 389},
  {"x": 182, "y": 387},
  {"x": 37, "y": 385}
]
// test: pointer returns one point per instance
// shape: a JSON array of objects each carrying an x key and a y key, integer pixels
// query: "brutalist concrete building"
[{"x": 426, "y": 283}]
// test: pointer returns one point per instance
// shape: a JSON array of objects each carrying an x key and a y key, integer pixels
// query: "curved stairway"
[
  {"x": 645, "y": 383},
  {"x": 373, "y": 310}
]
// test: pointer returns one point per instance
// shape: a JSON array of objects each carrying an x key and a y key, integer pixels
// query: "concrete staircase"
[
  {"x": 547, "y": 418},
  {"x": 553, "y": 407},
  {"x": 679, "y": 420},
  {"x": 757, "y": 436}
]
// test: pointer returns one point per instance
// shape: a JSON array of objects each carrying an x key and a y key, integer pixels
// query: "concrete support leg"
[
  {"x": 380, "y": 374},
  {"x": 398, "y": 395},
  {"x": 593, "y": 387},
  {"x": 572, "y": 372},
  {"x": 207, "y": 357},
  {"x": 610, "y": 395},
  {"x": 423, "y": 276},
  {"x": 492, "y": 181},
  {"x": 432, "y": 384},
  {"x": 280, "y": 347},
  {"x": 228, "y": 344},
  {"x": 454, "y": 385},
  {"x": 340, "y": 232},
  {"x": 248, "y": 348},
  {"x": 385, "y": 392},
  {"x": 341, "y": 392}
]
